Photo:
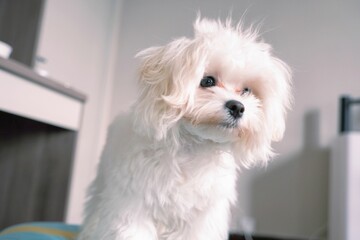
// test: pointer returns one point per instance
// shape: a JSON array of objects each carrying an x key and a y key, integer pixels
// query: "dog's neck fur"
[{"x": 182, "y": 138}]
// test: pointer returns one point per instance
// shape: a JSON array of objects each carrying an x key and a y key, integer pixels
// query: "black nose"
[{"x": 236, "y": 108}]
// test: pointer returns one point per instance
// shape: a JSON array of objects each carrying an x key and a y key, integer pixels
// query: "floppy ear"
[
  {"x": 281, "y": 100},
  {"x": 166, "y": 79}
]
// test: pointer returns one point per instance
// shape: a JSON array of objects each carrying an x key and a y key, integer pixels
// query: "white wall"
[
  {"x": 79, "y": 40},
  {"x": 320, "y": 40}
]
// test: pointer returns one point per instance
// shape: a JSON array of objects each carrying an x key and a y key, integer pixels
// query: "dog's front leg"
[
  {"x": 118, "y": 224},
  {"x": 136, "y": 230},
  {"x": 122, "y": 231},
  {"x": 211, "y": 224}
]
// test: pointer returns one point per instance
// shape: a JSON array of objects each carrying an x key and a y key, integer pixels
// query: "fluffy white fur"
[{"x": 169, "y": 167}]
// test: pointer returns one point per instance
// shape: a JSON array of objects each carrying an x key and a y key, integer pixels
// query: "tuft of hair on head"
[{"x": 205, "y": 27}]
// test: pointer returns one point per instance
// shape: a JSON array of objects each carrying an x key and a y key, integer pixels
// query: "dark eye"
[
  {"x": 208, "y": 81},
  {"x": 246, "y": 91}
]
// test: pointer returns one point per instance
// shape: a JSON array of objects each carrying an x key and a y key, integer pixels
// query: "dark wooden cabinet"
[
  {"x": 19, "y": 27},
  {"x": 35, "y": 166}
]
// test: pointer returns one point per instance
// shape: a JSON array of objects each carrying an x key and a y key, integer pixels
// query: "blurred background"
[{"x": 88, "y": 46}]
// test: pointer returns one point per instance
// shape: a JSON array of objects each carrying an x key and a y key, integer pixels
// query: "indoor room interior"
[{"x": 68, "y": 68}]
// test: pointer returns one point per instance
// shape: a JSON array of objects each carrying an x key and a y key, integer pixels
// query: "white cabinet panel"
[
  {"x": 28, "y": 99},
  {"x": 344, "y": 212}
]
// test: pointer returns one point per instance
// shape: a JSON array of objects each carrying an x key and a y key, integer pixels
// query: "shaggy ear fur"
[
  {"x": 275, "y": 102},
  {"x": 281, "y": 100},
  {"x": 167, "y": 84}
]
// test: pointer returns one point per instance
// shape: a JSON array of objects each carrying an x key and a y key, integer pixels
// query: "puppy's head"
[{"x": 224, "y": 85}]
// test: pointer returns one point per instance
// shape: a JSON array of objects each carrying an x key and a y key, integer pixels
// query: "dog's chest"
[{"x": 205, "y": 179}]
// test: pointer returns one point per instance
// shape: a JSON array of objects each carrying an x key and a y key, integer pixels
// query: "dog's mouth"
[{"x": 230, "y": 124}]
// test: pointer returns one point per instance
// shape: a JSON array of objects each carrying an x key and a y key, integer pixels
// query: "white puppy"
[{"x": 207, "y": 106}]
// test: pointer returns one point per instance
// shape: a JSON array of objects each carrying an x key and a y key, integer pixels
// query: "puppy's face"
[{"x": 223, "y": 86}]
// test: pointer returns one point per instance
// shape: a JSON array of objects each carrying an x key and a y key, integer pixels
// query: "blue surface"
[{"x": 40, "y": 231}]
